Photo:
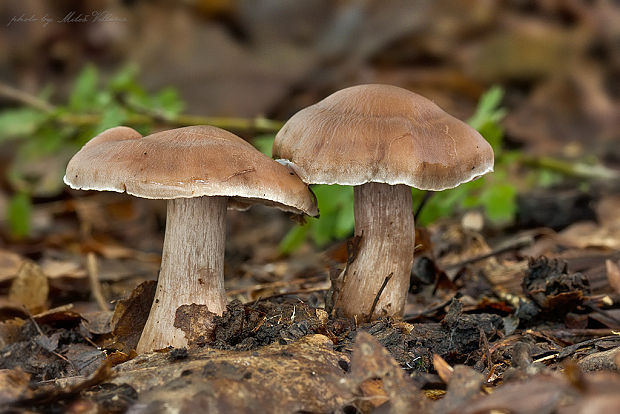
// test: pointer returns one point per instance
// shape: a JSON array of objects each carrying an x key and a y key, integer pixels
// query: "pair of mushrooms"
[{"x": 381, "y": 139}]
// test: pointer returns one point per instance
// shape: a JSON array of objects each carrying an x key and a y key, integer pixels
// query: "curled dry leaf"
[
  {"x": 444, "y": 369},
  {"x": 9, "y": 264},
  {"x": 130, "y": 316},
  {"x": 613, "y": 275},
  {"x": 30, "y": 288}
]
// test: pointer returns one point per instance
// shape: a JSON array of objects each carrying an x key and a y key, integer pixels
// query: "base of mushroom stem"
[
  {"x": 376, "y": 282},
  {"x": 192, "y": 269}
]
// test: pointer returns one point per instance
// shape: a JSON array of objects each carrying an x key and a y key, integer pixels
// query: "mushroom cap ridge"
[
  {"x": 385, "y": 134},
  {"x": 184, "y": 163}
]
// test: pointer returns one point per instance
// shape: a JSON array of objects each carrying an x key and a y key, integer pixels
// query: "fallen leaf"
[
  {"x": 13, "y": 385},
  {"x": 30, "y": 288},
  {"x": 464, "y": 384},
  {"x": 444, "y": 369},
  {"x": 370, "y": 360},
  {"x": 131, "y": 314},
  {"x": 59, "y": 268},
  {"x": 613, "y": 275},
  {"x": 9, "y": 264},
  {"x": 373, "y": 391}
]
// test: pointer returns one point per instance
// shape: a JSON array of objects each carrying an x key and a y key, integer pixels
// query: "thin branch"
[
  {"x": 24, "y": 98},
  {"x": 512, "y": 245},
  {"x": 258, "y": 123},
  {"x": 95, "y": 283},
  {"x": 571, "y": 168},
  {"x": 378, "y": 295}
]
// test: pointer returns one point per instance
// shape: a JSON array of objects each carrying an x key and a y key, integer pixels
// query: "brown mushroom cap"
[
  {"x": 384, "y": 134},
  {"x": 184, "y": 163}
]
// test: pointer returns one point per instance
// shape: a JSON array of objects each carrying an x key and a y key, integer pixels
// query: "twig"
[
  {"x": 291, "y": 292},
  {"x": 277, "y": 283},
  {"x": 24, "y": 98},
  {"x": 418, "y": 211},
  {"x": 513, "y": 245},
  {"x": 378, "y": 295},
  {"x": 51, "y": 351},
  {"x": 412, "y": 316},
  {"x": 572, "y": 333},
  {"x": 95, "y": 284},
  {"x": 258, "y": 123},
  {"x": 571, "y": 168}
]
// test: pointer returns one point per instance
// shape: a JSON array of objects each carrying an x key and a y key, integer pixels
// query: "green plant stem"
[
  {"x": 258, "y": 124},
  {"x": 241, "y": 124},
  {"x": 571, "y": 168}
]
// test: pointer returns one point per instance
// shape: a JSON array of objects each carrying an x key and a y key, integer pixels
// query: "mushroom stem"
[
  {"x": 192, "y": 268},
  {"x": 384, "y": 222}
]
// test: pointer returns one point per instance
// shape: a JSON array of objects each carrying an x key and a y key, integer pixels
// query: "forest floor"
[
  {"x": 490, "y": 319},
  {"x": 521, "y": 318}
]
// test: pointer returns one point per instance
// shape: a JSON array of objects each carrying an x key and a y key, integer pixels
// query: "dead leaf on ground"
[
  {"x": 13, "y": 385},
  {"x": 533, "y": 396},
  {"x": 131, "y": 314},
  {"x": 9, "y": 264},
  {"x": 370, "y": 360},
  {"x": 464, "y": 384},
  {"x": 30, "y": 288},
  {"x": 613, "y": 275},
  {"x": 444, "y": 369},
  {"x": 61, "y": 268}
]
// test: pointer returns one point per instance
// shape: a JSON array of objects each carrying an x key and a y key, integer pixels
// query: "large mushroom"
[
  {"x": 199, "y": 170},
  {"x": 382, "y": 140}
]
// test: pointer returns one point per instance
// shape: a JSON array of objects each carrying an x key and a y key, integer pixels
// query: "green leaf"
[
  {"x": 345, "y": 222},
  {"x": 488, "y": 109},
  {"x": 111, "y": 116},
  {"x": 85, "y": 90},
  {"x": 169, "y": 102},
  {"x": 125, "y": 80},
  {"x": 322, "y": 229},
  {"x": 488, "y": 115},
  {"x": 294, "y": 238},
  {"x": 19, "y": 212},
  {"x": 264, "y": 143},
  {"x": 499, "y": 202},
  {"x": 21, "y": 122}
]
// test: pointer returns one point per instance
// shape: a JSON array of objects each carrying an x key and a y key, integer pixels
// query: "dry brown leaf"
[
  {"x": 613, "y": 275},
  {"x": 589, "y": 234},
  {"x": 444, "y": 369},
  {"x": 61, "y": 268},
  {"x": 370, "y": 360},
  {"x": 10, "y": 331},
  {"x": 373, "y": 391},
  {"x": 9, "y": 264},
  {"x": 131, "y": 314},
  {"x": 13, "y": 385},
  {"x": 30, "y": 288}
]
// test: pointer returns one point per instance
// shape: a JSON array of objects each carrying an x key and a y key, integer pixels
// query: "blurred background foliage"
[{"x": 247, "y": 66}]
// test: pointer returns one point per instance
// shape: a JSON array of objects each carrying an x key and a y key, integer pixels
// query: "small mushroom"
[
  {"x": 382, "y": 140},
  {"x": 199, "y": 170}
]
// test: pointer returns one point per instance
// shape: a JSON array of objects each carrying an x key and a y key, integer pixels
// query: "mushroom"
[
  {"x": 383, "y": 140},
  {"x": 198, "y": 169}
]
